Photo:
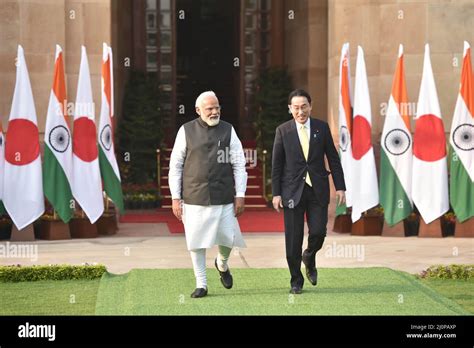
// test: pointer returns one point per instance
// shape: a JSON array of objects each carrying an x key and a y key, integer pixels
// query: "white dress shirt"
[
  {"x": 178, "y": 156},
  {"x": 307, "y": 126}
]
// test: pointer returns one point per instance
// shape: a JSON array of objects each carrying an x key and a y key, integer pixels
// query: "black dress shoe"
[
  {"x": 199, "y": 292},
  {"x": 311, "y": 271},
  {"x": 226, "y": 277},
  {"x": 312, "y": 275},
  {"x": 296, "y": 290}
]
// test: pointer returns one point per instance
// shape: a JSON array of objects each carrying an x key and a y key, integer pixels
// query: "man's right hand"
[
  {"x": 178, "y": 208},
  {"x": 277, "y": 203}
]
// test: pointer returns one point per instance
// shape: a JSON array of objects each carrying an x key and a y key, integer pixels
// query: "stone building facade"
[{"x": 306, "y": 36}]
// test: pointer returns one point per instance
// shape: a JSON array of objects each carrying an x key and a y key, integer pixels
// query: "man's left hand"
[{"x": 239, "y": 206}]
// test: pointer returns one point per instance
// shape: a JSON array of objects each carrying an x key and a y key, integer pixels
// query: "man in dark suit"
[{"x": 300, "y": 184}]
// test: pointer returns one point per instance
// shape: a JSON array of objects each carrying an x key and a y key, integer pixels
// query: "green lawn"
[
  {"x": 460, "y": 291},
  {"x": 356, "y": 291},
  {"x": 49, "y": 297}
]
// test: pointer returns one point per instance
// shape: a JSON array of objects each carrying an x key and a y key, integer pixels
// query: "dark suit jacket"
[{"x": 289, "y": 167}]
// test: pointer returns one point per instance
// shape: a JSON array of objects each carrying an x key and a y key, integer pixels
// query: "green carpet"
[{"x": 341, "y": 291}]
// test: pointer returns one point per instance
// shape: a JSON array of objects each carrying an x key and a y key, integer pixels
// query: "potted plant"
[
  {"x": 51, "y": 227},
  {"x": 343, "y": 220},
  {"x": 370, "y": 223},
  {"x": 141, "y": 196},
  {"x": 412, "y": 224},
  {"x": 448, "y": 224},
  {"x": 107, "y": 223},
  {"x": 80, "y": 226},
  {"x": 5, "y": 227}
]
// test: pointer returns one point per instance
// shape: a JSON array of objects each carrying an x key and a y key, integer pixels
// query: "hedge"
[{"x": 18, "y": 273}]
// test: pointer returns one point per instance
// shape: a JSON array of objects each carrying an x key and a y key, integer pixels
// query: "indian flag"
[
  {"x": 57, "y": 169},
  {"x": 365, "y": 191},
  {"x": 87, "y": 185},
  {"x": 396, "y": 154},
  {"x": 22, "y": 182},
  {"x": 461, "y": 141},
  {"x": 107, "y": 161},
  {"x": 430, "y": 171},
  {"x": 345, "y": 124}
]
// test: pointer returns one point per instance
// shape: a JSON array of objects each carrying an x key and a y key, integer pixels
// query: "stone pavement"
[{"x": 152, "y": 246}]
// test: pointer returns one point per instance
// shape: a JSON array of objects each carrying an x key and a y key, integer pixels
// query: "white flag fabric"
[
  {"x": 345, "y": 120},
  {"x": 22, "y": 184},
  {"x": 430, "y": 172},
  {"x": 365, "y": 193},
  {"x": 87, "y": 185}
]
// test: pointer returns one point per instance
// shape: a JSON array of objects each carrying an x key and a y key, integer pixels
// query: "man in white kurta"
[{"x": 207, "y": 180}]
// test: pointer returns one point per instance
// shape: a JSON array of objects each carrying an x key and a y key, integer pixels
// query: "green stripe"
[
  {"x": 112, "y": 184},
  {"x": 461, "y": 188},
  {"x": 2, "y": 208},
  {"x": 56, "y": 186},
  {"x": 393, "y": 197}
]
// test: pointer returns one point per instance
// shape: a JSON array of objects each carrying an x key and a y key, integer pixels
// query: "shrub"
[
  {"x": 271, "y": 105},
  {"x": 18, "y": 273},
  {"x": 140, "y": 128},
  {"x": 271, "y": 109},
  {"x": 449, "y": 272}
]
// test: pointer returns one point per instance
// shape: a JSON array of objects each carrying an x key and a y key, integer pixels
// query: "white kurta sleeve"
[
  {"x": 237, "y": 160},
  {"x": 178, "y": 155}
]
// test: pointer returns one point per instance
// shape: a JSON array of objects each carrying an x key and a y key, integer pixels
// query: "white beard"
[{"x": 211, "y": 123}]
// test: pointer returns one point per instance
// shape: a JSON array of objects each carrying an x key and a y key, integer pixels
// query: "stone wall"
[
  {"x": 306, "y": 49},
  {"x": 379, "y": 26},
  {"x": 313, "y": 41},
  {"x": 38, "y": 25}
]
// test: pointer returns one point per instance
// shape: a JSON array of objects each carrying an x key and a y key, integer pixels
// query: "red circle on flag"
[
  {"x": 22, "y": 142},
  {"x": 361, "y": 137},
  {"x": 429, "y": 142},
  {"x": 84, "y": 143}
]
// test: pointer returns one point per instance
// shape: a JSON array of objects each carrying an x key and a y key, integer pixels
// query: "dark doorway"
[{"x": 207, "y": 43}]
